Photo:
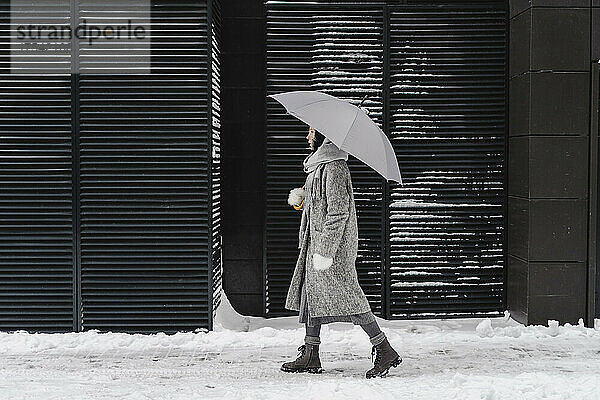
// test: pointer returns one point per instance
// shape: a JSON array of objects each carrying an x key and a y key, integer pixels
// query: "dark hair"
[{"x": 318, "y": 140}]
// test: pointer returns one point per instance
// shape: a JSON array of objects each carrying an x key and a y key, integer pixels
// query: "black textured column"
[
  {"x": 549, "y": 114},
  {"x": 243, "y": 100}
]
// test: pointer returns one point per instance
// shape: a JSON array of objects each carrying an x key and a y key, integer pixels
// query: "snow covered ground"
[{"x": 443, "y": 359}]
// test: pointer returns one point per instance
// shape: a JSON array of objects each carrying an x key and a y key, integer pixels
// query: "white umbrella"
[{"x": 346, "y": 125}]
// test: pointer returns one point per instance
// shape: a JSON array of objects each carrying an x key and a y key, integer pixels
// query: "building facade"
[
  {"x": 129, "y": 201},
  {"x": 491, "y": 106}
]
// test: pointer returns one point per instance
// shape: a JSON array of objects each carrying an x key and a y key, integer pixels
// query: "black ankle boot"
[
  {"x": 386, "y": 357},
  {"x": 307, "y": 361}
]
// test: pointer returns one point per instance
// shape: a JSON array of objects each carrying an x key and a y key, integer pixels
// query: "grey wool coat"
[{"x": 332, "y": 232}]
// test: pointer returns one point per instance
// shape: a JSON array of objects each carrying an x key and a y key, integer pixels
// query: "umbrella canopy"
[{"x": 346, "y": 125}]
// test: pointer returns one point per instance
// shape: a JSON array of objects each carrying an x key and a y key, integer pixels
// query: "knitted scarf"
[{"x": 326, "y": 152}]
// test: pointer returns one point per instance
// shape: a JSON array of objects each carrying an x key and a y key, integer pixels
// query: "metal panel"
[
  {"x": 110, "y": 209},
  {"x": 216, "y": 271},
  {"x": 36, "y": 225},
  {"x": 448, "y": 124},
  {"x": 146, "y": 244},
  {"x": 339, "y": 50}
]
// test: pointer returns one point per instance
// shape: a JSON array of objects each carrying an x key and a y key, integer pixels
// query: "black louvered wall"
[
  {"x": 448, "y": 126},
  {"x": 112, "y": 186},
  {"x": 37, "y": 278},
  {"x": 339, "y": 51},
  {"x": 435, "y": 75},
  {"x": 215, "y": 222}
]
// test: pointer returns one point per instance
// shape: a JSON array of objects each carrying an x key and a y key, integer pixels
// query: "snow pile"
[{"x": 485, "y": 329}]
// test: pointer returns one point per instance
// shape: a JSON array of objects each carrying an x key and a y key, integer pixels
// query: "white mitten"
[
  {"x": 296, "y": 197},
  {"x": 320, "y": 262}
]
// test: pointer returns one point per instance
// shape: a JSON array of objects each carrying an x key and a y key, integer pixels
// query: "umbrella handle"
[{"x": 299, "y": 207}]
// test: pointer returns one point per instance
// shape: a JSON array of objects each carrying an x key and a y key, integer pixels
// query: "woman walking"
[{"x": 324, "y": 287}]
